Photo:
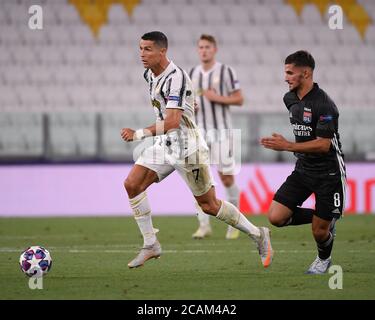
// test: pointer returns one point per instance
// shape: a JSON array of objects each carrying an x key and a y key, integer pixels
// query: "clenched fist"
[{"x": 127, "y": 134}]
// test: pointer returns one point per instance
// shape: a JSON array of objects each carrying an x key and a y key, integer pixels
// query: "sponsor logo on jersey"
[
  {"x": 173, "y": 98},
  {"x": 156, "y": 104},
  {"x": 301, "y": 130},
  {"x": 307, "y": 116},
  {"x": 326, "y": 118}
]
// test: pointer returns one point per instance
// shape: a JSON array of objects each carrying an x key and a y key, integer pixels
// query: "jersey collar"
[
  {"x": 311, "y": 94},
  {"x": 216, "y": 64},
  {"x": 168, "y": 69}
]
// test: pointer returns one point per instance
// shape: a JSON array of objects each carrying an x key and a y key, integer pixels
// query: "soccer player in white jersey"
[
  {"x": 217, "y": 88},
  {"x": 177, "y": 146}
]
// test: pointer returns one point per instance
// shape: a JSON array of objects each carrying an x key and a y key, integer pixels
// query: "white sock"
[
  {"x": 233, "y": 195},
  {"x": 232, "y": 216},
  {"x": 142, "y": 215},
  {"x": 203, "y": 218}
]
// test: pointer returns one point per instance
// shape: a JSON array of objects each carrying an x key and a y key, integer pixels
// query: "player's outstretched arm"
[
  {"x": 278, "y": 143},
  {"x": 234, "y": 99},
  {"x": 171, "y": 122}
]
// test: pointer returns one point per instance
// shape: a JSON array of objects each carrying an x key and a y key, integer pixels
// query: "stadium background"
[{"x": 68, "y": 89}]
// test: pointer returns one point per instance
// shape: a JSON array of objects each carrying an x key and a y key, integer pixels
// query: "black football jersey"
[{"x": 316, "y": 115}]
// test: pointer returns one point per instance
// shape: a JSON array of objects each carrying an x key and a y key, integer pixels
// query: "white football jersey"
[
  {"x": 224, "y": 81},
  {"x": 173, "y": 89}
]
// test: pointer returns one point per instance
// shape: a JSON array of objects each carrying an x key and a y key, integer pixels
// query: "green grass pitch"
[{"x": 90, "y": 257}]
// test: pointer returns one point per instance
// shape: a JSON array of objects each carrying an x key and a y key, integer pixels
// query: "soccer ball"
[{"x": 35, "y": 261}]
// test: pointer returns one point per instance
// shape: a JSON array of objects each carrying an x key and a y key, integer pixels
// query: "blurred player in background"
[
  {"x": 172, "y": 97},
  {"x": 320, "y": 167},
  {"x": 217, "y": 88}
]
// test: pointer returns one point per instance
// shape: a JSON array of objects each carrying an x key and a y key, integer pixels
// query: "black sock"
[
  {"x": 325, "y": 247},
  {"x": 300, "y": 216}
]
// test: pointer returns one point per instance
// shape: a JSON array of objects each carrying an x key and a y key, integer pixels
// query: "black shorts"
[{"x": 329, "y": 193}]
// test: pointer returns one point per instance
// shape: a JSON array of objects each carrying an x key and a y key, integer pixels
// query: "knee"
[
  {"x": 132, "y": 188},
  {"x": 227, "y": 181},
  {"x": 210, "y": 208},
  {"x": 275, "y": 219},
  {"x": 320, "y": 234}
]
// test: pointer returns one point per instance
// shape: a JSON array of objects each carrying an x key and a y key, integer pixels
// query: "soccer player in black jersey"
[{"x": 320, "y": 167}]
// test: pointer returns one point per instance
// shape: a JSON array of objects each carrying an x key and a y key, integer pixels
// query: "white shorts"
[
  {"x": 195, "y": 169},
  {"x": 221, "y": 155}
]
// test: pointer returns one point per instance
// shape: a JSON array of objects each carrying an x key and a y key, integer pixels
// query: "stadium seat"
[
  {"x": 30, "y": 98},
  {"x": 113, "y": 75},
  {"x": 15, "y": 75},
  {"x": 6, "y": 57},
  {"x": 22, "y": 135},
  {"x": 228, "y": 37},
  {"x": 346, "y": 55},
  {"x": 3, "y": 18},
  {"x": 10, "y": 35},
  {"x": 350, "y": 36},
  {"x": 367, "y": 55},
  {"x": 325, "y": 36},
  {"x": 261, "y": 15},
  {"x": 40, "y": 75},
  {"x": 282, "y": 36},
  {"x": 166, "y": 15},
  {"x": 191, "y": 16},
  {"x": 117, "y": 15},
  {"x": 105, "y": 97},
  {"x": 56, "y": 99},
  {"x": 82, "y": 35},
  {"x": 32, "y": 38},
  {"x": 254, "y": 36},
  {"x": 112, "y": 145},
  {"x": 301, "y": 36},
  {"x": 370, "y": 35},
  {"x": 247, "y": 56},
  {"x": 181, "y": 35},
  {"x": 214, "y": 15},
  {"x": 24, "y": 56},
  {"x": 72, "y": 135},
  {"x": 143, "y": 16},
  {"x": 9, "y": 100},
  {"x": 75, "y": 55},
  {"x": 60, "y": 35},
  {"x": 81, "y": 98},
  {"x": 237, "y": 15},
  {"x": 66, "y": 75},
  {"x": 65, "y": 67},
  {"x": 310, "y": 15},
  {"x": 286, "y": 16},
  {"x": 100, "y": 55},
  {"x": 110, "y": 35},
  {"x": 68, "y": 15}
]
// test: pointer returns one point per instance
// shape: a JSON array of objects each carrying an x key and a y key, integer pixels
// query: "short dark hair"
[
  {"x": 158, "y": 37},
  {"x": 208, "y": 38},
  {"x": 301, "y": 58}
]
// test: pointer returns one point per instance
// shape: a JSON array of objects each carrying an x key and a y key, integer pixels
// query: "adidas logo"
[{"x": 336, "y": 211}]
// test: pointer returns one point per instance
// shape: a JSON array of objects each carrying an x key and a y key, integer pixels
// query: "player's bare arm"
[
  {"x": 234, "y": 99},
  {"x": 278, "y": 143},
  {"x": 171, "y": 122}
]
